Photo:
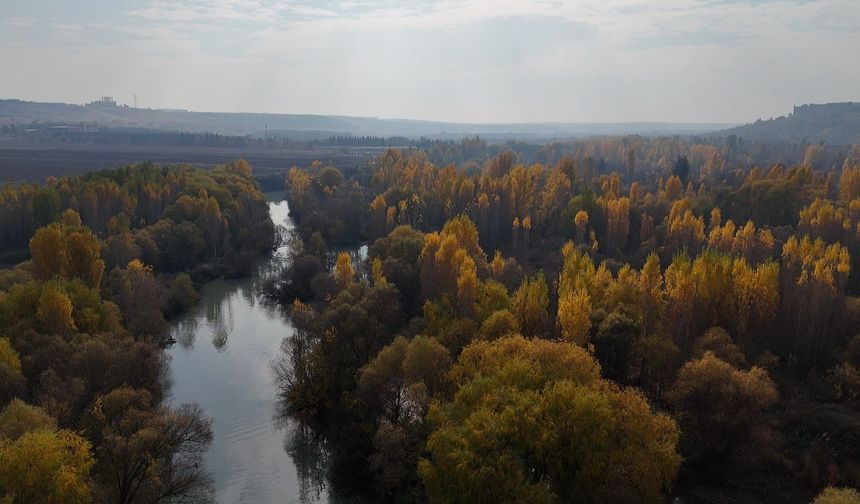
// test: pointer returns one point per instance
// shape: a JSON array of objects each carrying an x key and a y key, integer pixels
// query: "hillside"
[
  {"x": 834, "y": 123},
  {"x": 307, "y": 126}
]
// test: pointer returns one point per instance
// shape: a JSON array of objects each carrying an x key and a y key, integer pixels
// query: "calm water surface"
[{"x": 222, "y": 360}]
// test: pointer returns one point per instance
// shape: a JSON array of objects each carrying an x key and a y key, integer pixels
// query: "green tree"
[
  {"x": 533, "y": 421},
  {"x": 681, "y": 168}
]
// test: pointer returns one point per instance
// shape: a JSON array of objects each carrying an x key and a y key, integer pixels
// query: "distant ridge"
[
  {"x": 107, "y": 113},
  {"x": 834, "y": 123}
]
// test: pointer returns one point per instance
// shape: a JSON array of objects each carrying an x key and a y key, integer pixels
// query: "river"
[{"x": 222, "y": 361}]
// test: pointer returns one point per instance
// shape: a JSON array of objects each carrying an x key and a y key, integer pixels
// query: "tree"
[
  {"x": 849, "y": 184},
  {"x": 499, "y": 324},
  {"x": 449, "y": 262},
  {"x": 55, "y": 311},
  {"x": 39, "y": 463},
  {"x": 651, "y": 289},
  {"x": 139, "y": 296},
  {"x": 398, "y": 386},
  {"x": 812, "y": 280},
  {"x": 533, "y": 422},
  {"x": 12, "y": 382},
  {"x": 403, "y": 376},
  {"x": 618, "y": 225},
  {"x": 718, "y": 342},
  {"x": 61, "y": 250},
  {"x": 46, "y": 206},
  {"x": 18, "y": 418},
  {"x": 681, "y": 168},
  {"x": 581, "y": 222},
  {"x": 344, "y": 273},
  {"x": 48, "y": 252},
  {"x": 574, "y": 317},
  {"x": 147, "y": 453},
  {"x": 833, "y": 495},
  {"x": 181, "y": 294},
  {"x": 735, "y": 404},
  {"x": 530, "y": 304},
  {"x": 83, "y": 254},
  {"x": 211, "y": 222}
]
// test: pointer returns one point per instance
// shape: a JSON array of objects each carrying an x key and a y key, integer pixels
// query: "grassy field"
[{"x": 20, "y": 163}]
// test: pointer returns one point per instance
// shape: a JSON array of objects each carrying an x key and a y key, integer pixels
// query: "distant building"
[{"x": 104, "y": 101}]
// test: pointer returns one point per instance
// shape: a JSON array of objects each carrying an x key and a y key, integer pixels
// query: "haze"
[{"x": 468, "y": 61}]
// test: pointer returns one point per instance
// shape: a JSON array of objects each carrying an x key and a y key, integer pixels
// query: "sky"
[{"x": 729, "y": 61}]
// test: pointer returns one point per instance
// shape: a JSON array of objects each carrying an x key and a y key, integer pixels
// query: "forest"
[
  {"x": 623, "y": 319},
  {"x": 110, "y": 256}
]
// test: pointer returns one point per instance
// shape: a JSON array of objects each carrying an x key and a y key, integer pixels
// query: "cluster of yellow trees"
[{"x": 697, "y": 289}]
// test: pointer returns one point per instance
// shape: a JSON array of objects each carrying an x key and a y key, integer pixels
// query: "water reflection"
[
  {"x": 257, "y": 455},
  {"x": 185, "y": 332},
  {"x": 310, "y": 454}
]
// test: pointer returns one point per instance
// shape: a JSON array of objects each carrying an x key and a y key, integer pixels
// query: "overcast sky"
[{"x": 460, "y": 60}]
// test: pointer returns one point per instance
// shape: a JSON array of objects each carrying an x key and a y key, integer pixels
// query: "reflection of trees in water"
[
  {"x": 202, "y": 493},
  {"x": 219, "y": 317},
  {"x": 307, "y": 448},
  {"x": 311, "y": 458},
  {"x": 312, "y": 453},
  {"x": 185, "y": 332}
]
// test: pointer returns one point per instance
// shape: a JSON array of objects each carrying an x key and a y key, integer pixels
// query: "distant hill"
[
  {"x": 835, "y": 123},
  {"x": 298, "y": 126}
]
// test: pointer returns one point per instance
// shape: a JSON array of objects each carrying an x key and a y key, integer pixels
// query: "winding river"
[{"x": 222, "y": 360}]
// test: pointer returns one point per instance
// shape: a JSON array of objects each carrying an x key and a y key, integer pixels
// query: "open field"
[{"x": 22, "y": 163}]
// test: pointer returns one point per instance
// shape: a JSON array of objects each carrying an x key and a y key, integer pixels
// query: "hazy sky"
[{"x": 465, "y": 60}]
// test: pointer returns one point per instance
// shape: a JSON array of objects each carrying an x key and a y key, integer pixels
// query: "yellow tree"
[
  {"x": 448, "y": 256},
  {"x": 680, "y": 300},
  {"x": 651, "y": 289},
  {"x": 344, "y": 273},
  {"x": 67, "y": 251},
  {"x": 812, "y": 282},
  {"x": 574, "y": 317},
  {"x": 834, "y": 495},
  {"x": 378, "y": 209},
  {"x": 48, "y": 252},
  {"x": 755, "y": 300},
  {"x": 299, "y": 185},
  {"x": 672, "y": 189},
  {"x": 530, "y": 304},
  {"x": 39, "y": 463},
  {"x": 55, "y": 311},
  {"x": 618, "y": 225},
  {"x": 467, "y": 285},
  {"x": 581, "y": 222},
  {"x": 377, "y": 274},
  {"x": 685, "y": 229},
  {"x": 849, "y": 184},
  {"x": 555, "y": 197},
  {"x": 84, "y": 257}
]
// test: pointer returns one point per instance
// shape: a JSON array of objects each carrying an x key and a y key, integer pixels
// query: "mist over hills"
[
  {"x": 307, "y": 126},
  {"x": 833, "y": 123}
]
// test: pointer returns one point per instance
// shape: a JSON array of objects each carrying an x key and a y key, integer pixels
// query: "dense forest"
[
  {"x": 619, "y": 320},
  {"x": 109, "y": 257}
]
